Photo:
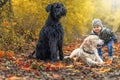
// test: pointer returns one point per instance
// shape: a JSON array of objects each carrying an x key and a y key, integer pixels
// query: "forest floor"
[{"x": 19, "y": 67}]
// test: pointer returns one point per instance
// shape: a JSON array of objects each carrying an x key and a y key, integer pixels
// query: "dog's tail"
[
  {"x": 74, "y": 53},
  {"x": 31, "y": 55},
  {"x": 66, "y": 57}
]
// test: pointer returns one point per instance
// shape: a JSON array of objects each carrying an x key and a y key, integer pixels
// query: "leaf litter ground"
[{"x": 19, "y": 67}]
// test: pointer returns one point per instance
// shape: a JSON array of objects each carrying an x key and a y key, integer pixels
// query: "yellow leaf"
[
  {"x": 70, "y": 66},
  {"x": 102, "y": 70},
  {"x": 76, "y": 71}
]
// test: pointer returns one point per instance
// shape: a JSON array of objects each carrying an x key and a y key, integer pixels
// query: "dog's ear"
[{"x": 48, "y": 8}]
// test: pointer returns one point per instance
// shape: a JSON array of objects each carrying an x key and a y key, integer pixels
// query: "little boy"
[{"x": 105, "y": 34}]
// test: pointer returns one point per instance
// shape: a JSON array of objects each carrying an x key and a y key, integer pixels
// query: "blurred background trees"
[{"x": 21, "y": 20}]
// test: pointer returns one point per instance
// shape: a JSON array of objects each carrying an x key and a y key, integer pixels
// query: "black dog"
[{"x": 51, "y": 35}]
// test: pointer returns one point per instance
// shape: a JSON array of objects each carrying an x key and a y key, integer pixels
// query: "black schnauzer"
[{"x": 51, "y": 35}]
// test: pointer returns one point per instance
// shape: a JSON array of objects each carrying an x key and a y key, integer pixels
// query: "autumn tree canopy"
[{"x": 21, "y": 20}]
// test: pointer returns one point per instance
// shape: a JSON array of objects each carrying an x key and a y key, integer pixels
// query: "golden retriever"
[{"x": 88, "y": 51}]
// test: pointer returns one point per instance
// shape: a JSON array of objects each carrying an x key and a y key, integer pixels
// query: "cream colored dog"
[{"x": 88, "y": 51}]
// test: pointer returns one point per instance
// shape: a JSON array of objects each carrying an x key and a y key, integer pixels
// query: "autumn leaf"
[
  {"x": 10, "y": 54},
  {"x": 19, "y": 62},
  {"x": 59, "y": 65},
  {"x": 108, "y": 62},
  {"x": 51, "y": 67},
  {"x": 2, "y": 54},
  {"x": 103, "y": 70},
  {"x": 116, "y": 55},
  {"x": 25, "y": 69},
  {"x": 54, "y": 66},
  {"x": 118, "y": 66},
  {"x": 37, "y": 73},
  {"x": 13, "y": 78},
  {"x": 6, "y": 23},
  {"x": 76, "y": 71},
  {"x": 115, "y": 46},
  {"x": 2, "y": 68},
  {"x": 53, "y": 76},
  {"x": 56, "y": 76},
  {"x": 78, "y": 64},
  {"x": 26, "y": 65},
  {"x": 70, "y": 66}
]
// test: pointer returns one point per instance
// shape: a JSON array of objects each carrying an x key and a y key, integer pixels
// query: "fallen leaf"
[
  {"x": 37, "y": 73},
  {"x": 56, "y": 76},
  {"x": 26, "y": 65},
  {"x": 118, "y": 66},
  {"x": 34, "y": 65},
  {"x": 76, "y": 71},
  {"x": 10, "y": 54},
  {"x": 59, "y": 65},
  {"x": 6, "y": 23},
  {"x": 13, "y": 78},
  {"x": 70, "y": 66},
  {"x": 78, "y": 63},
  {"x": 19, "y": 62},
  {"x": 2, "y": 54},
  {"x": 103, "y": 70},
  {"x": 108, "y": 62}
]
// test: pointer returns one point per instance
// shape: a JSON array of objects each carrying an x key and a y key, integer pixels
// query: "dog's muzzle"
[
  {"x": 101, "y": 42},
  {"x": 99, "y": 46}
]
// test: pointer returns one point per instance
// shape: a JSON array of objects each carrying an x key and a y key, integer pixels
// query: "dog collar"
[{"x": 88, "y": 51}]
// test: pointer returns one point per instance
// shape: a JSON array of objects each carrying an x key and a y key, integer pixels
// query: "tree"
[{"x": 3, "y": 2}]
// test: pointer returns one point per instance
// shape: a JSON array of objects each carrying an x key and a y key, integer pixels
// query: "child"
[{"x": 105, "y": 34}]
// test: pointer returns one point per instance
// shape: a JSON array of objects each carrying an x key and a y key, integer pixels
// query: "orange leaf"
[
  {"x": 48, "y": 66},
  {"x": 53, "y": 67},
  {"x": 59, "y": 65},
  {"x": 108, "y": 62},
  {"x": 19, "y": 62},
  {"x": 2, "y": 53},
  {"x": 14, "y": 78},
  {"x": 118, "y": 66},
  {"x": 10, "y": 54},
  {"x": 102, "y": 70},
  {"x": 78, "y": 64},
  {"x": 6, "y": 23},
  {"x": 26, "y": 65},
  {"x": 115, "y": 46},
  {"x": 56, "y": 76}
]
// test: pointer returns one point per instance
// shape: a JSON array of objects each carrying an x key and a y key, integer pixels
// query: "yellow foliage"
[{"x": 30, "y": 16}]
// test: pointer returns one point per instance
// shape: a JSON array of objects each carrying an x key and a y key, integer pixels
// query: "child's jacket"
[{"x": 106, "y": 35}]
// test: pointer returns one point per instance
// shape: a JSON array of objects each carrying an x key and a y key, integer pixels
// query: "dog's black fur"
[{"x": 51, "y": 35}]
